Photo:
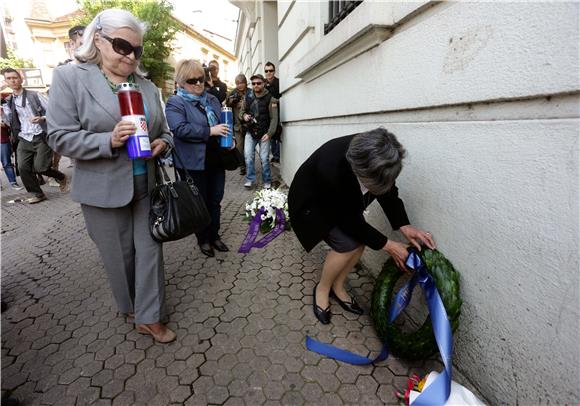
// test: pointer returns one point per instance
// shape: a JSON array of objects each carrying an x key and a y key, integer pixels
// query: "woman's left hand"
[
  {"x": 417, "y": 237},
  {"x": 157, "y": 147}
]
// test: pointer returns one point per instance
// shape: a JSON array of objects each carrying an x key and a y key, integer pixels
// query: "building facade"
[
  {"x": 189, "y": 43},
  {"x": 485, "y": 98}
]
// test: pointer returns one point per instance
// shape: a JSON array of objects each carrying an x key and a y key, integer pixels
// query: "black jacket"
[
  {"x": 274, "y": 87},
  {"x": 325, "y": 193},
  {"x": 219, "y": 90}
]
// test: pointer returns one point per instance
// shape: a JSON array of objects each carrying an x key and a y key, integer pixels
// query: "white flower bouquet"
[{"x": 269, "y": 200}]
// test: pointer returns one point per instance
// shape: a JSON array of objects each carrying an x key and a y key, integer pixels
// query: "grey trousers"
[{"x": 133, "y": 260}]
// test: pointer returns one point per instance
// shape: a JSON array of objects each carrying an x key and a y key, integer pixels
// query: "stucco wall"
[
  {"x": 485, "y": 97},
  {"x": 257, "y": 38}
]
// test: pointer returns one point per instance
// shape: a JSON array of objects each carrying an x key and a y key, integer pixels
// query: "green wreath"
[{"x": 420, "y": 344}]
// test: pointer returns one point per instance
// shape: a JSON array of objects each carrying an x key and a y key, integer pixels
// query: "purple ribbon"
[{"x": 249, "y": 243}]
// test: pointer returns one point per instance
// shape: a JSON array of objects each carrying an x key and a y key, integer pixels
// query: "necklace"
[{"x": 113, "y": 86}]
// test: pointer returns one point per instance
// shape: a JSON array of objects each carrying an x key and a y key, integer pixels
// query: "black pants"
[
  {"x": 35, "y": 157},
  {"x": 211, "y": 183}
]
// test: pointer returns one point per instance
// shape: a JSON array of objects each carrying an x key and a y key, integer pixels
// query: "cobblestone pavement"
[{"x": 241, "y": 321}]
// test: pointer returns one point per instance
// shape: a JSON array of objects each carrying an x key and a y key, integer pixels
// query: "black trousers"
[{"x": 211, "y": 183}]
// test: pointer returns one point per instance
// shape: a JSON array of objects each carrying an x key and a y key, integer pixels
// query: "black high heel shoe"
[
  {"x": 207, "y": 250},
  {"x": 220, "y": 246},
  {"x": 351, "y": 306},
  {"x": 323, "y": 315}
]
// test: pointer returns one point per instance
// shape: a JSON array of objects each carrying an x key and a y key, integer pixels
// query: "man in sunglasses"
[
  {"x": 272, "y": 82},
  {"x": 75, "y": 34},
  {"x": 261, "y": 116},
  {"x": 273, "y": 86}
]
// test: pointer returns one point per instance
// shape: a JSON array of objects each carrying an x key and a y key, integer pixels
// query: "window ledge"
[{"x": 365, "y": 28}]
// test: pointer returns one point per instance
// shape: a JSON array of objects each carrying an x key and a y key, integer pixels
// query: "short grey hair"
[
  {"x": 241, "y": 78},
  {"x": 108, "y": 21},
  {"x": 376, "y": 158}
]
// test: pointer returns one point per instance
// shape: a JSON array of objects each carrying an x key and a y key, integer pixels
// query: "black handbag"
[{"x": 177, "y": 208}]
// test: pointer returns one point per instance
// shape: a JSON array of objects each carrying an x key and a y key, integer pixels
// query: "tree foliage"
[
  {"x": 162, "y": 28},
  {"x": 14, "y": 62}
]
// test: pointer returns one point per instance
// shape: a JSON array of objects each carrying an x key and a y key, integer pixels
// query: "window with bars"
[{"x": 337, "y": 11}]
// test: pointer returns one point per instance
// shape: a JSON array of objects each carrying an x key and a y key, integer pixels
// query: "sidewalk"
[{"x": 241, "y": 321}]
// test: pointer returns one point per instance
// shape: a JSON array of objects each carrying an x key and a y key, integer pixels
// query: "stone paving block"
[
  {"x": 124, "y": 398},
  {"x": 69, "y": 376},
  {"x": 233, "y": 401},
  {"x": 111, "y": 389},
  {"x": 88, "y": 396},
  {"x": 217, "y": 395}
]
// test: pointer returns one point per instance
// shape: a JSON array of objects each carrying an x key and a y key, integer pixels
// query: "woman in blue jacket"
[{"x": 193, "y": 116}]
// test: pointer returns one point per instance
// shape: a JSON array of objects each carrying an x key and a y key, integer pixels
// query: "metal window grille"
[{"x": 337, "y": 11}]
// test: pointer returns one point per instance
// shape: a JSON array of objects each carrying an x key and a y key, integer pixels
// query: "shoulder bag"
[{"x": 177, "y": 208}]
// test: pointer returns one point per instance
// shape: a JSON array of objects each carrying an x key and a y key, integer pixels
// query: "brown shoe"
[
  {"x": 64, "y": 184},
  {"x": 35, "y": 199},
  {"x": 165, "y": 335}
]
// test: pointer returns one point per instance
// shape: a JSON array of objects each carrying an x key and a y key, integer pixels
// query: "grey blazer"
[{"x": 82, "y": 112}]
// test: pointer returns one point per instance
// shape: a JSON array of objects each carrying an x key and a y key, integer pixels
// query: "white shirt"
[{"x": 27, "y": 129}]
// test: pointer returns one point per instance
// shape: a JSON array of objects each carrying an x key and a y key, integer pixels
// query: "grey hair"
[
  {"x": 108, "y": 21},
  {"x": 376, "y": 158},
  {"x": 242, "y": 78}
]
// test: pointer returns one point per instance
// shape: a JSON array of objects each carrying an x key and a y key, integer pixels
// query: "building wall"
[
  {"x": 485, "y": 97},
  {"x": 258, "y": 37},
  {"x": 188, "y": 47}
]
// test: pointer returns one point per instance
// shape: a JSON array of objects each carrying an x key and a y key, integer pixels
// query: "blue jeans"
[
  {"x": 250, "y": 152},
  {"x": 6, "y": 155}
]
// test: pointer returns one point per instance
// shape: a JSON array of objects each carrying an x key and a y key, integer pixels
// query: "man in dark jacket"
[
  {"x": 217, "y": 87},
  {"x": 273, "y": 86},
  {"x": 261, "y": 116},
  {"x": 327, "y": 201}
]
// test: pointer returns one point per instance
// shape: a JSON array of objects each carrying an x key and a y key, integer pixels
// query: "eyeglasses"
[
  {"x": 257, "y": 83},
  {"x": 123, "y": 47},
  {"x": 195, "y": 81},
  {"x": 268, "y": 70},
  {"x": 80, "y": 33}
]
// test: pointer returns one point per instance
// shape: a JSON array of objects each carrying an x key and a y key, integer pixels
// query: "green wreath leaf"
[{"x": 420, "y": 344}]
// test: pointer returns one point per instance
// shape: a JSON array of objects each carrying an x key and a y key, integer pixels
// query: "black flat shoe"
[
  {"x": 207, "y": 250},
  {"x": 351, "y": 306},
  {"x": 220, "y": 246},
  {"x": 323, "y": 315}
]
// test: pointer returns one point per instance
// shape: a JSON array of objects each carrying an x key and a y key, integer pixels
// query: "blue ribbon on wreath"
[
  {"x": 250, "y": 239},
  {"x": 438, "y": 392}
]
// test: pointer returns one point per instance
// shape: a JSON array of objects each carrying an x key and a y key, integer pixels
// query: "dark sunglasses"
[
  {"x": 257, "y": 83},
  {"x": 195, "y": 81},
  {"x": 80, "y": 33},
  {"x": 123, "y": 47},
  {"x": 268, "y": 70}
]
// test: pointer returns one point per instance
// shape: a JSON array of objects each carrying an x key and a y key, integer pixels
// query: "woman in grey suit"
[{"x": 84, "y": 123}]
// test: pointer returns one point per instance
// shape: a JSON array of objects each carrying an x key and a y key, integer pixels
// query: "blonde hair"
[
  {"x": 108, "y": 21},
  {"x": 186, "y": 69}
]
